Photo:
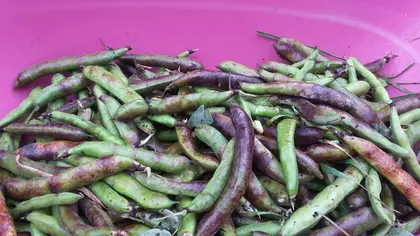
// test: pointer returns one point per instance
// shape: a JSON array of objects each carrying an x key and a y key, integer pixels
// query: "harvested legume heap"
[{"x": 136, "y": 144}]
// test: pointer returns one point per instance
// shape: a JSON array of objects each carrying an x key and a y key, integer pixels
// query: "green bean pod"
[
  {"x": 36, "y": 232},
  {"x": 410, "y": 117},
  {"x": 159, "y": 161},
  {"x": 62, "y": 89},
  {"x": 189, "y": 221},
  {"x": 52, "y": 106},
  {"x": 276, "y": 190},
  {"x": 128, "y": 186},
  {"x": 287, "y": 155},
  {"x": 109, "y": 197},
  {"x": 133, "y": 229},
  {"x": 46, "y": 224},
  {"x": 111, "y": 83},
  {"x": 106, "y": 117},
  {"x": 116, "y": 70},
  {"x": 324, "y": 202},
  {"x": 127, "y": 131},
  {"x": 269, "y": 227},
  {"x": 401, "y": 139},
  {"x": 288, "y": 70},
  {"x": 67, "y": 64},
  {"x": 161, "y": 184},
  {"x": 165, "y": 120},
  {"x": 24, "y": 107},
  {"x": 87, "y": 126},
  {"x": 214, "y": 187},
  {"x": 187, "y": 142},
  {"x": 8, "y": 162},
  {"x": 380, "y": 92},
  {"x": 373, "y": 185},
  {"x": 174, "y": 104},
  {"x": 213, "y": 138},
  {"x": 358, "y": 88},
  {"x": 44, "y": 201},
  {"x": 6, "y": 142},
  {"x": 387, "y": 198},
  {"x": 236, "y": 68}
]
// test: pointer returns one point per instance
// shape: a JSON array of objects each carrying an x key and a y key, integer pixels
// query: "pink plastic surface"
[{"x": 33, "y": 31}]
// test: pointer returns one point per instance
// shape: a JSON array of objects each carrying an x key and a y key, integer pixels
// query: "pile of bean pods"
[{"x": 136, "y": 144}]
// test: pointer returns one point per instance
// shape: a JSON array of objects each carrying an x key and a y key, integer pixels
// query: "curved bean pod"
[
  {"x": 144, "y": 86},
  {"x": 373, "y": 185},
  {"x": 94, "y": 213},
  {"x": 56, "y": 130},
  {"x": 6, "y": 142},
  {"x": 44, "y": 201},
  {"x": 168, "y": 186},
  {"x": 52, "y": 106},
  {"x": 214, "y": 187},
  {"x": 264, "y": 159},
  {"x": 258, "y": 196},
  {"x": 133, "y": 229},
  {"x": 189, "y": 221},
  {"x": 174, "y": 104},
  {"x": 127, "y": 131},
  {"x": 236, "y": 68},
  {"x": 87, "y": 126},
  {"x": 75, "y": 225},
  {"x": 324, "y": 202},
  {"x": 128, "y": 186},
  {"x": 24, "y": 107},
  {"x": 69, "y": 179},
  {"x": 111, "y": 83},
  {"x": 62, "y": 89},
  {"x": 184, "y": 64},
  {"x": 46, "y": 224},
  {"x": 213, "y": 138},
  {"x": 269, "y": 227},
  {"x": 109, "y": 197},
  {"x": 385, "y": 165},
  {"x": 74, "y": 106},
  {"x": 44, "y": 151},
  {"x": 318, "y": 93},
  {"x": 410, "y": 116},
  {"x": 228, "y": 228},
  {"x": 236, "y": 186},
  {"x": 8, "y": 161},
  {"x": 106, "y": 117},
  {"x": 67, "y": 64},
  {"x": 402, "y": 105},
  {"x": 276, "y": 190},
  {"x": 159, "y": 161},
  {"x": 187, "y": 142}
]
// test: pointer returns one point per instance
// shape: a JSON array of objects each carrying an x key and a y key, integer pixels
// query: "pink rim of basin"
[{"x": 223, "y": 30}]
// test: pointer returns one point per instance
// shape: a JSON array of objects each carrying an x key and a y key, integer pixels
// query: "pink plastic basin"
[{"x": 33, "y": 31}]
